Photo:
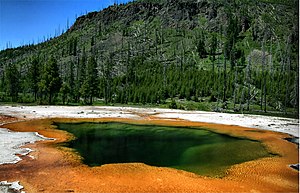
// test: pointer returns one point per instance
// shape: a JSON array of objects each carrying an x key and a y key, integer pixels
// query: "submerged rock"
[
  {"x": 293, "y": 140},
  {"x": 295, "y": 166},
  {"x": 6, "y": 187}
]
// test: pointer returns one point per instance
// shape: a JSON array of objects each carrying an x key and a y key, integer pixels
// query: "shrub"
[{"x": 173, "y": 104}]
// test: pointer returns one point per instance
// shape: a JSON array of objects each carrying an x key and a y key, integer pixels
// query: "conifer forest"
[{"x": 214, "y": 55}]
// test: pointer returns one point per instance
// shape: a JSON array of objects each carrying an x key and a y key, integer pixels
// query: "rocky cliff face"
[{"x": 171, "y": 12}]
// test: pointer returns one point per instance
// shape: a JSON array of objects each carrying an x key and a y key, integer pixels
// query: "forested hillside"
[{"x": 217, "y": 55}]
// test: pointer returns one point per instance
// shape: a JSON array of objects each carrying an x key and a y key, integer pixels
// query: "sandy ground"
[{"x": 54, "y": 169}]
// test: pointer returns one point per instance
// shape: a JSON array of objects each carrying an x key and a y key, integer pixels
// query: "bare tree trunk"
[
  {"x": 235, "y": 85},
  {"x": 248, "y": 82},
  {"x": 265, "y": 93},
  {"x": 263, "y": 99},
  {"x": 162, "y": 58},
  {"x": 127, "y": 68},
  {"x": 271, "y": 71},
  {"x": 287, "y": 84},
  {"x": 224, "y": 85},
  {"x": 218, "y": 84},
  {"x": 91, "y": 100},
  {"x": 50, "y": 97},
  {"x": 182, "y": 61},
  {"x": 241, "y": 101},
  {"x": 297, "y": 91},
  {"x": 288, "y": 63}
]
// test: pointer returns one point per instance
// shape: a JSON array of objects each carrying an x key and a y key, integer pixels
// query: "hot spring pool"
[{"x": 197, "y": 150}]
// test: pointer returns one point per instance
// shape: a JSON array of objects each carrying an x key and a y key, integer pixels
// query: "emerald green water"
[{"x": 192, "y": 149}]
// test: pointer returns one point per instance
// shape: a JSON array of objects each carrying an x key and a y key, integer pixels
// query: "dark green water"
[{"x": 191, "y": 149}]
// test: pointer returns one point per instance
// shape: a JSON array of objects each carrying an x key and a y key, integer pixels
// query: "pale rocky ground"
[
  {"x": 285, "y": 125},
  {"x": 17, "y": 139}
]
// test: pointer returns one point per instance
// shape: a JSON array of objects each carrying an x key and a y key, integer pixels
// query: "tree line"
[{"x": 242, "y": 62}]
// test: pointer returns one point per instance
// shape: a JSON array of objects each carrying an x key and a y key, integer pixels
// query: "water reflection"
[{"x": 191, "y": 149}]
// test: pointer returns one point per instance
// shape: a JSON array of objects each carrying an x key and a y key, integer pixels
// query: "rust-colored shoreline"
[{"x": 57, "y": 169}]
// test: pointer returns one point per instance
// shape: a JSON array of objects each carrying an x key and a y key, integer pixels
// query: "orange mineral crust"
[{"x": 59, "y": 169}]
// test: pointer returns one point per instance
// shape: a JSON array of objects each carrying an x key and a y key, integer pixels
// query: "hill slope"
[{"x": 241, "y": 55}]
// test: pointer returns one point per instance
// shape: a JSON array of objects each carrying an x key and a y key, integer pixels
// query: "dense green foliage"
[{"x": 240, "y": 55}]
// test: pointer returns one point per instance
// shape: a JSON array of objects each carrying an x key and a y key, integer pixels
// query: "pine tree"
[
  {"x": 107, "y": 78},
  {"x": 80, "y": 75},
  {"x": 65, "y": 91},
  {"x": 71, "y": 81},
  {"x": 213, "y": 50},
  {"x": 2, "y": 79},
  {"x": 50, "y": 82},
  {"x": 13, "y": 83},
  {"x": 201, "y": 46},
  {"x": 93, "y": 79},
  {"x": 90, "y": 87},
  {"x": 34, "y": 76}
]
